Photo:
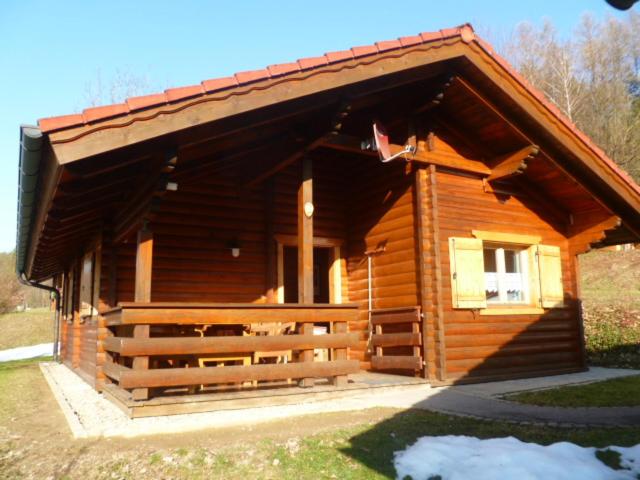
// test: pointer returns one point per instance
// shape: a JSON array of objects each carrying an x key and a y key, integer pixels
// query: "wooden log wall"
[
  {"x": 482, "y": 346},
  {"x": 381, "y": 220},
  {"x": 429, "y": 261}
]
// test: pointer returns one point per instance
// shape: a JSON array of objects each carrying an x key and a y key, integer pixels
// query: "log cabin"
[{"x": 412, "y": 207}]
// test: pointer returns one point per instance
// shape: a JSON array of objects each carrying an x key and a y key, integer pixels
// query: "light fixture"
[
  {"x": 308, "y": 209},
  {"x": 234, "y": 246}
]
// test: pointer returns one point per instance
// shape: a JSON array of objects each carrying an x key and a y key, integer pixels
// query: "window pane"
[
  {"x": 490, "y": 260},
  {"x": 513, "y": 277},
  {"x": 491, "y": 275}
]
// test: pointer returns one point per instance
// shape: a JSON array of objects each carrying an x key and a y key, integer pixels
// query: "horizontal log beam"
[
  {"x": 228, "y": 315},
  {"x": 513, "y": 163},
  {"x": 113, "y": 370},
  {"x": 232, "y": 344},
  {"x": 175, "y": 377},
  {"x": 396, "y": 362},
  {"x": 354, "y": 145},
  {"x": 396, "y": 339},
  {"x": 401, "y": 316}
]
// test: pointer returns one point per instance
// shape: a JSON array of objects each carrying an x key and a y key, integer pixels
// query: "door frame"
[{"x": 335, "y": 269}]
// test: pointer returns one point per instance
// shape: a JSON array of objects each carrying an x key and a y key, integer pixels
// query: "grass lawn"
[
  {"x": 618, "y": 392},
  {"x": 353, "y": 445},
  {"x": 26, "y": 328}
]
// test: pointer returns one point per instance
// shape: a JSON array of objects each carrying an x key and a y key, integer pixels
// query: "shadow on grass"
[
  {"x": 375, "y": 446},
  {"x": 619, "y": 356}
]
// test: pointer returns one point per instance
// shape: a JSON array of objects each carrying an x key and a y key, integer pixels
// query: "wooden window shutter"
[
  {"x": 467, "y": 273},
  {"x": 550, "y": 267}
]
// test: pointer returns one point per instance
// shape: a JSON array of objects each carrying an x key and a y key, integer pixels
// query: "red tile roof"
[
  {"x": 130, "y": 105},
  {"x": 464, "y": 32}
]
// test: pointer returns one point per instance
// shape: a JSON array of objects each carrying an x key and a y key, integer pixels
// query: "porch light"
[{"x": 234, "y": 246}]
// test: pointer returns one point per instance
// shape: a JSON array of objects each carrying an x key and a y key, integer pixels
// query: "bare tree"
[
  {"x": 121, "y": 85},
  {"x": 592, "y": 78}
]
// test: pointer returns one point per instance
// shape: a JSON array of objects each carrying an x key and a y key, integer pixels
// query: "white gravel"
[{"x": 89, "y": 414}]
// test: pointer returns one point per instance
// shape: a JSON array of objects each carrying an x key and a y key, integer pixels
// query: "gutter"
[{"x": 31, "y": 141}]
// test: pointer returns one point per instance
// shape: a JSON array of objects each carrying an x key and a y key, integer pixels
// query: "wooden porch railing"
[
  {"x": 405, "y": 316},
  {"x": 123, "y": 346}
]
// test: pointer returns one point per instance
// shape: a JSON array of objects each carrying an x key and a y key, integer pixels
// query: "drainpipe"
[
  {"x": 56, "y": 322},
  {"x": 370, "y": 254}
]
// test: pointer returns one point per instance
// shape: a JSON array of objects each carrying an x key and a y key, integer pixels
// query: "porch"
[{"x": 172, "y": 350}]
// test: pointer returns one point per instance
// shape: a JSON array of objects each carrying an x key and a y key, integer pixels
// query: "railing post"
[
  {"x": 305, "y": 253},
  {"x": 340, "y": 354},
  {"x": 144, "y": 263}
]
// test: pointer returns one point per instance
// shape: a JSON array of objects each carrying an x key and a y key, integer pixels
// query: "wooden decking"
[{"x": 275, "y": 394}]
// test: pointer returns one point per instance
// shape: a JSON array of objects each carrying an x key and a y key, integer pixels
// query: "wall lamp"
[{"x": 234, "y": 246}]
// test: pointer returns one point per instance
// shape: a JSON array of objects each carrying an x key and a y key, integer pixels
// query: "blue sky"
[{"x": 51, "y": 51}]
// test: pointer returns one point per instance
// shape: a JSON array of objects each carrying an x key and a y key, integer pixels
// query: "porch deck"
[{"x": 275, "y": 395}]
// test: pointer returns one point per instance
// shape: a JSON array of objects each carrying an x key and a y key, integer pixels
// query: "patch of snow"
[
  {"x": 21, "y": 353},
  {"x": 459, "y": 457}
]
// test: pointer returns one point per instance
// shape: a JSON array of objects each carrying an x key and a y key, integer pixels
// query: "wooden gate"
[{"x": 397, "y": 339}]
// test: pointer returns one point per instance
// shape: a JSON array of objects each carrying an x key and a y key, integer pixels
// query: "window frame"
[
  {"x": 500, "y": 259},
  {"x": 528, "y": 247},
  {"x": 546, "y": 269}
]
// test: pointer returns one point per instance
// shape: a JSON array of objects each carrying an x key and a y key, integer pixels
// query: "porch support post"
[
  {"x": 305, "y": 253},
  {"x": 144, "y": 263}
]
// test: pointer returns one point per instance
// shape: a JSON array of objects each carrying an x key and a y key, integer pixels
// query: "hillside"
[
  {"x": 611, "y": 278},
  {"x": 611, "y": 294},
  {"x": 26, "y": 328}
]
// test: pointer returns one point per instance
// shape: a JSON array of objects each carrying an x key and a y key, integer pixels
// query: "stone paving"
[{"x": 89, "y": 414}]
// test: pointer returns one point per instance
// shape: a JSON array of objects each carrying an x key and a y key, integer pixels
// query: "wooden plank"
[
  {"x": 399, "y": 316},
  {"x": 231, "y": 315},
  {"x": 353, "y": 145},
  {"x": 144, "y": 267},
  {"x": 113, "y": 370},
  {"x": 249, "y": 98},
  {"x": 424, "y": 268},
  {"x": 396, "y": 339},
  {"x": 438, "y": 280},
  {"x": 306, "y": 357},
  {"x": 173, "y": 377},
  {"x": 396, "y": 362},
  {"x": 235, "y": 344},
  {"x": 512, "y": 164},
  {"x": 340, "y": 354},
  {"x": 305, "y": 233},
  {"x": 270, "y": 243},
  {"x": 299, "y": 152}
]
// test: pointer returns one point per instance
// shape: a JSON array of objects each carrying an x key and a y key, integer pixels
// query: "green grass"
[
  {"x": 26, "y": 328},
  {"x": 364, "y": 451},
  {"x": 359, "y": 453},
  {"x": 618, "y": 392}
]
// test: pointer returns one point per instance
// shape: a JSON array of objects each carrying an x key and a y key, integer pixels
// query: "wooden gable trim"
[
  {"x": 85, "y": 141},
  {"x": 508, "y": 84}
]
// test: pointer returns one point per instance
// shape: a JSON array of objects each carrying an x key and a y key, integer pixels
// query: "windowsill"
[{"x": 511, "y": 310}]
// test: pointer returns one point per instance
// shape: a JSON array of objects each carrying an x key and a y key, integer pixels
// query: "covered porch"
[{"x": 177, "y": 349}]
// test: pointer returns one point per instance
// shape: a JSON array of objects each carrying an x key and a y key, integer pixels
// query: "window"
[
  {"x": 505, "y": 273},
  {"x": 499, "y": 273}
]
